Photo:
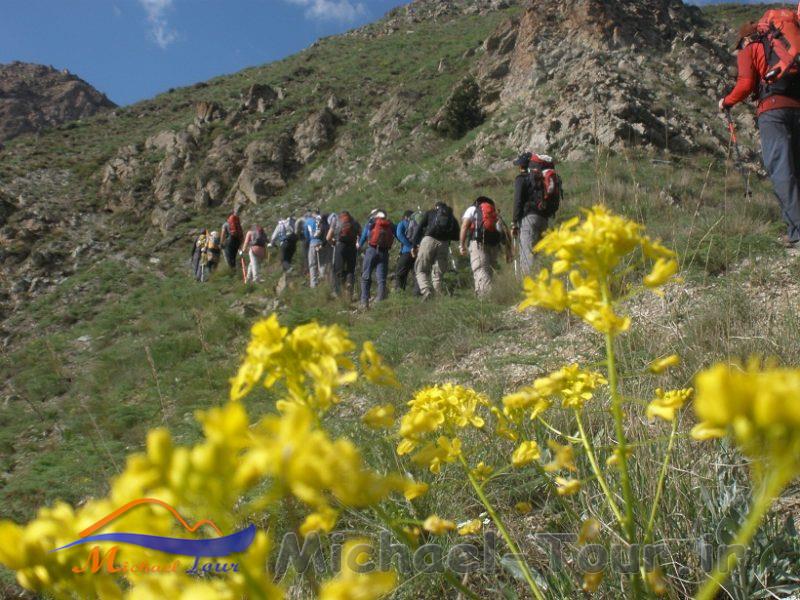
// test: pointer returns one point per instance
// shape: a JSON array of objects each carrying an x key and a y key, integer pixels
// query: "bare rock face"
[
  {"x": 316, "y": 133},
  {"x": 260, "y": 97},
  {"x": 267, "y": 166},
  {"x": 605, "y": 72},
  {"x": 35, "y": 96},
  {"x": 389, "y": 117},
  {"x": 207, "y": 112}
]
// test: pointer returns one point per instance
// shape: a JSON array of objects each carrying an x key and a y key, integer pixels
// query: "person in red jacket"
[{"x": 778, "y": 114}]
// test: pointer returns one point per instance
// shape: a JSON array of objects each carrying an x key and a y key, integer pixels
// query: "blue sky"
[{"x": 134, "y": 49}]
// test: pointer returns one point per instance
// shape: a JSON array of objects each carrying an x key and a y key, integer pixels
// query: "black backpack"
[{"x": 440, "y": 223}]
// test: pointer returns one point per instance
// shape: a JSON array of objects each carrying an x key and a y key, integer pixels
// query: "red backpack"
[
  {"x": 548, "y": 184},
  {"x": 485, "y": 225},
  {"x": 381, "y": 235},
  {"x": 345, "y": 229},
  {"x": 235, "y": 226},
  {"x": 780, "y": 32}
]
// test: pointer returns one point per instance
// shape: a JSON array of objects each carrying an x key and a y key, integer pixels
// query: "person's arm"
[
  {"x": 420, "y": 233},
  {"x": 329, "y": 237},
  {"x": 364, "y": 235},
  {"x": 462, "y": 238},
  {"x": 222, "y": 232},
  {"x": 248, "y": 239},
  {"x": 400, "y": 234},
  {"x": 747, "y": 79}
]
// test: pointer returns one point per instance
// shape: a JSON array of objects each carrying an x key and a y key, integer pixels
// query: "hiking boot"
[{"x": 787, "y": 242}]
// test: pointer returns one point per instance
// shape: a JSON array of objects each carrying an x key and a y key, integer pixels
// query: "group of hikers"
[{"x": 331, "y": 243}]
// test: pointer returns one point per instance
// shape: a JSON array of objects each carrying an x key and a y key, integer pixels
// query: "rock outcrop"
[{"x": 33, "y": 97}]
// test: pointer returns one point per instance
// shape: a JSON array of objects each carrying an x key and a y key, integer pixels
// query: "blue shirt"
[
  {"x": 309, "y": 230},
  {"x": 365, "y": 233},
  {"x": 400, "y": 234}
]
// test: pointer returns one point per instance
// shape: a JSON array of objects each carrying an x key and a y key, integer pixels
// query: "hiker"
[
  {"x": 212, "y": 252},
  {"x": 483, "y": 229},
  {"x": 231, "y": 237},
  {"x": 437, "y": 229},
  {"x": 343, "y": 237},
  {"x": 404, "y": 232},
  {"x": 778, "y": 116},
  {"x": 285, "y": 239},
  {"x": 255, "y": 245},
  {"x": 376, "y": 238},
  {"x": 537, "y": 194},
  {"x": 198, "y": 251},
  {"x": 319, "y": 255},
  {"x": 300, "y": 234}
]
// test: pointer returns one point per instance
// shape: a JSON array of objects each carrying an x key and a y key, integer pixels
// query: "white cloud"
[
  {"x": 160, "y": 31},
  {"x": 331, "y": 10}
]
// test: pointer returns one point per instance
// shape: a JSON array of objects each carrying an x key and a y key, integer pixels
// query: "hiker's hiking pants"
[
  {"x": 344, "y": 267},
  {"x": 431, "y": 265},
  {"x": 780, "y": 147},
  {"x": 254, "y": 264},
  {"x": 483, "y": 260},
  {"x": 405, "y": 265},
  {"x": 319, "y": 263},
  {"x": 530, "y": 232},
  {"x": 287, "y": 252},
  {"x": 377, "y": 261},
  {"x": 231, "y": 249}
]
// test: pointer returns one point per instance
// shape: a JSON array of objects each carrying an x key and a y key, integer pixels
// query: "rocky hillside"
[
  {"x": 33, "y": 97},
  {"x": 336, "y": 123}
]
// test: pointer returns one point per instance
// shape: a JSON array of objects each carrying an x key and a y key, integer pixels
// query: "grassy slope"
[{"x": 159, "y": 346}]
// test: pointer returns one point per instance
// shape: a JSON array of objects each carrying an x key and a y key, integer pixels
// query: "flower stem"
[
  {"x": 617, "y": 412},
  {"x": 526, "y": 572},
  {"x": 771, "y": 489},
  {"x": 648, "y": 533},
  {"x": 587, "y": 445}
]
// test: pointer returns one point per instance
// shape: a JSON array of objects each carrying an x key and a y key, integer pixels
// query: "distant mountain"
[{"x": 36, "y": 96}]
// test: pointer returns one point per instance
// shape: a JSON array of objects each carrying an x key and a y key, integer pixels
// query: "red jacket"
[{"x": 753, "y": 67}]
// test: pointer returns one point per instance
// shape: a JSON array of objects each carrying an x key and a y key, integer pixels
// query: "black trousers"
[
  {"x": 232, "y": 245},
  {"x": 288, "y": 248},
  {"x": 344, "y": 267},
  {"x": 405, "y": 266}
]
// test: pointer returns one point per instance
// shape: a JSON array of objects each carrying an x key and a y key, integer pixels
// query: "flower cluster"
[
  {"x": 759, "y": 406},
  {"x": 590, "y": 252},
  {"x": 311, "y": 360},
  {"x": 280, "y": 456},
  {"x": 352, "y": 583},
  {"x": 447, "y": 409},
  {"x": 666, "y": 404},
  {"x": 571, "y": 384}
]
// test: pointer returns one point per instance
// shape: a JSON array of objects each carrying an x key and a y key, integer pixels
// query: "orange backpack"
[{"x": 780, "y": 32}]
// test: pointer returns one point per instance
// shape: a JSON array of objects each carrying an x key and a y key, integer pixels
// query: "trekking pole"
[{"x": 736, "y": 153}]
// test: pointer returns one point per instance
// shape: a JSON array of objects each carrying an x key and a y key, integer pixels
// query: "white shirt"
[{"x": 469, "y": 214}]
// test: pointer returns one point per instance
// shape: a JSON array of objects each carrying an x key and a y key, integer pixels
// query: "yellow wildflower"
[
  {"x": 526, "y": 453},
  {"x": 663, "y": 270},
  {"x": 523, "y": 508},
  {"x": 379, "y": 417},
  {"x": 374, "y": 368},
  {"x": 482, "y": 471},
  {"x": 354, "y": 584},
  {"x": 667, "y": 403},
  {"x": 758, "y": 406},
  {"x": 590, "y": 250},
  {"x": 590, "y": 531},
  {"x": 592, "y": 581},
  {"x": 563, "y": 457},
  {"x": 662, "y": 364},
  {"x": 470, "y": 527},
  {"x": 567, "y": 487},
  {"x": 414, "y": 490},
  {"x": 656, "y": 582},
  {"x": 438, "y": 526}
]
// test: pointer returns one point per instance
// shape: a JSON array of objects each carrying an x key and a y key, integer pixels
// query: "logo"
[{"x": 216, "y": 547}]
